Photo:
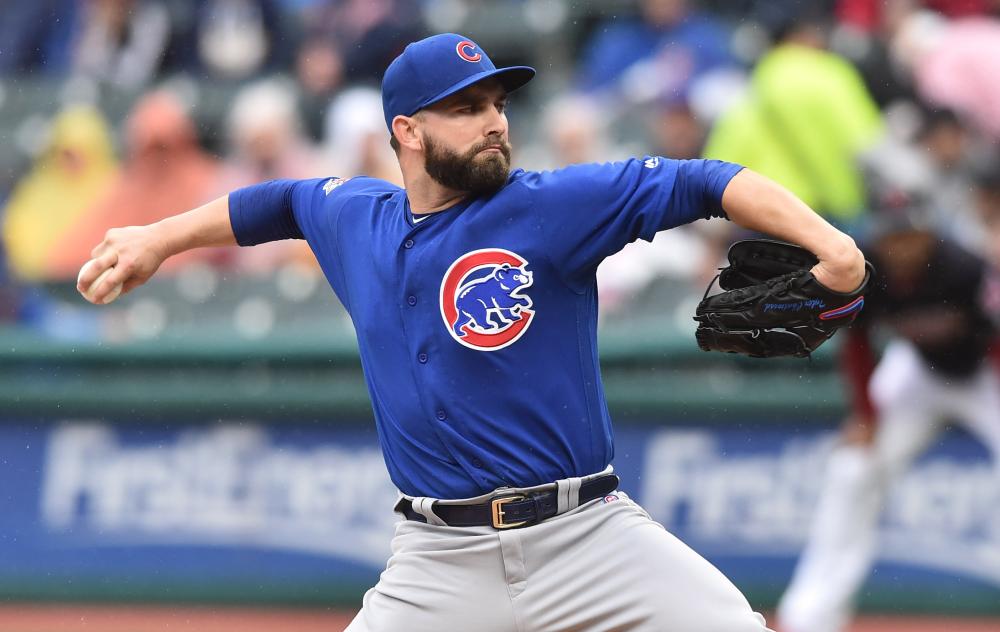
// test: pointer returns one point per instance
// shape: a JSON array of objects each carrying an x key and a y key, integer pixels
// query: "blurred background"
[{"x": 205, "y": 445}]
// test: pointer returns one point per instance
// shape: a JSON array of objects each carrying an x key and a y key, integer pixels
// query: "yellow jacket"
[
  {"x": 66, "y": 180},
  {"x": 807, "y": 117}
]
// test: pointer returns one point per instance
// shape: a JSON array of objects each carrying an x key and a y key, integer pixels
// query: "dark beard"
[{"x": 469, "y": 171}]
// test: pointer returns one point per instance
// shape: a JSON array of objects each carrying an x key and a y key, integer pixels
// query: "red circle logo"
[
  {"x": 482, "y": 301},
  {"x": 463, "y": 49}
]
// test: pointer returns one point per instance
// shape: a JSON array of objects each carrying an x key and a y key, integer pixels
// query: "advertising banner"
[{"x": 302, "y": 512}]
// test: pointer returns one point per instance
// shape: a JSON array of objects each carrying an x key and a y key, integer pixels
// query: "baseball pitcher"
[{"x": 472, "y": 292}]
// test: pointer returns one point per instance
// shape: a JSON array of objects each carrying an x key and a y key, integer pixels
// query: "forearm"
[
  {"x": 760, "y": 204},
  {"x": 207, "y": 225}
]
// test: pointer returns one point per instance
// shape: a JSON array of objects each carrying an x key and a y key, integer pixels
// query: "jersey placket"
[{"x": 419, "y": 314}]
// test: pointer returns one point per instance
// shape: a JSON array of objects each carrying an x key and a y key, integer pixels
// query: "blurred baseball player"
[
  {"x": 473, "y": 297},
  {"x": 935, "y": 299}
]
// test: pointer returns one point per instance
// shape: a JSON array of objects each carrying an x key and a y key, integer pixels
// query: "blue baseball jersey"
[{"x": 477, "y": 326}]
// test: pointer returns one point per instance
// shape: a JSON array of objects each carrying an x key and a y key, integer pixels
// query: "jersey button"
[
  {"x": 441, "y": 415},
  {"x": 408, "y": 243},
  {"x": 422, "y": 358},
  {"x": 412, "y": 300},
  {"x": 477, "y": 463}
]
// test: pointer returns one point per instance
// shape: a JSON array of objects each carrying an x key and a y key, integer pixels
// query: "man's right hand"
[{"x": 135, "y": 253}]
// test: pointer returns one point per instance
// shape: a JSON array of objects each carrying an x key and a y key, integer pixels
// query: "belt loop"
[
  {"x": 424, "y": 506},
  {"x": 567, "y": 494}
]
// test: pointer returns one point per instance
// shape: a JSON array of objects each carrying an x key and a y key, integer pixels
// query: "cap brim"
[{"x": 510, "y": 78}]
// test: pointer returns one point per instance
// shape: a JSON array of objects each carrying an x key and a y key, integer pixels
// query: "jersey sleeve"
[
  {"x": 297, "y": 209},
  {"x": 589, "y": 212},
  {"x": 264, "y": 212}
]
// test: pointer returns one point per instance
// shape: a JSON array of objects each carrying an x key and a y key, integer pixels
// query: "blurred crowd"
[{"x": 120, "y": 112}]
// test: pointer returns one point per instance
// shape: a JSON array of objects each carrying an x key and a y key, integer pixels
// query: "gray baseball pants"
[{"x": 601, "y": 567}]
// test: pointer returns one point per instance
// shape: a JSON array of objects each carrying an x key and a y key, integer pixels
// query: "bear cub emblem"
[{"x": 492, "y": 302}]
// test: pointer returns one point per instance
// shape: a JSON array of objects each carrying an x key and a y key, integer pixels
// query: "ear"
[
  {"x": 404, "y": 128},
  {"x": 505, "y": 266}
]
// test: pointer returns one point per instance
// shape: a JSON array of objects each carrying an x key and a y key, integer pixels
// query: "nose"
[{"x": 496, "y": 123}]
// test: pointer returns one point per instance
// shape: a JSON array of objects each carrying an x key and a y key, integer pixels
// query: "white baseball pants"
[
  {"x": 604, "y": 566},
  {"x": 914, "y": 403}
]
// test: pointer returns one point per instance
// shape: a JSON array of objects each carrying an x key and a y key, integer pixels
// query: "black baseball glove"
[{"x": 773, "y": 305}]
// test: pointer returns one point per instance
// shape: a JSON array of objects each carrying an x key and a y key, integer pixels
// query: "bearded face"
[{"x": 482, "y": 169}]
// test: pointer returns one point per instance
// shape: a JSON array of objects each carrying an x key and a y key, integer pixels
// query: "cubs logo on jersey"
[{"x": 482, "y": 301}]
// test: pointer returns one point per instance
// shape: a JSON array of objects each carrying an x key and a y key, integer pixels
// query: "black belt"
[{"x": 507, "y": 511}]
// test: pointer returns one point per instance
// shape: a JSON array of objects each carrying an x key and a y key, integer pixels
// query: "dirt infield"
[
  {"x": 66, "y": 618},
  {"x": 899, "y": 624},
  {"x": 70, "y": 618}
]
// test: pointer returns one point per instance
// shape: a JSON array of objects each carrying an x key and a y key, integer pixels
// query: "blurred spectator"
[
  {"x": 862, "y": 34},
  {"x": 929, "y": 171},
  {"x": 575, "y": 132},
  {"x": 868, "y": 15},
  {"x": 945, "y": 142},
  {"x": 988, "y": 205},
  {"x": 954, "y": 65},
  {"x": 657, "y": 54},
  {"x": 356, "y": 137},
  {"x": 35, "y": 36},
  {"x": 349, "y": 41},
  {"x": 120, "y": 43},
  {"x": 233, "y": 40},
  {"x": 675, "y": 131},
  {"x": 987, "y": 198},
  {"x": 266, "y": 141},
  {"x": 319, "y": 70},
  {"x": 165, "y": 171},
  {"x": 368, "y": 34},
  {"x": 806, "y": 120},
  {"x": 10, "y": 293},
  {"x": 75, "y": 169}
]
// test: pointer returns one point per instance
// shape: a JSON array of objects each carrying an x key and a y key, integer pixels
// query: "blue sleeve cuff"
[
  {"x": 263, "y": 212},
  {"x": 717, "y": 176}
]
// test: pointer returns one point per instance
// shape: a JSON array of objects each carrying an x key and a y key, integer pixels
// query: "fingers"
[
  {"x": 130, "y": 285},
  {"x": 108, "y": 288},
  {"x": 125, "y": 259},
  {"x": 103, "y": 247},
  {"x": 100, "y": 278},
  {"x": 94, "y": 268}
]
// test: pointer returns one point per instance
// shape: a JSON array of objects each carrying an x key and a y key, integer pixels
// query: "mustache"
[{"x": 493, "y": 142}]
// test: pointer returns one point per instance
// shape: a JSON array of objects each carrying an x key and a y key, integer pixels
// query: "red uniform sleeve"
[{"x": 857, "y": 364}]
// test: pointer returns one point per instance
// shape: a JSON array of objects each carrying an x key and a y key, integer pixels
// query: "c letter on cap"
[{"x": 463, "y": 49}]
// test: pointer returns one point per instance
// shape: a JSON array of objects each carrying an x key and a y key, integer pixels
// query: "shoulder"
[
  {"x": 348, "y": 194},
  {"x": 358, "y": 185},
  {"x": 588, "y": 174}
]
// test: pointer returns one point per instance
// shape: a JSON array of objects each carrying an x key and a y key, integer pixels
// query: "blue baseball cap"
[{"x": 437, "y": 67}]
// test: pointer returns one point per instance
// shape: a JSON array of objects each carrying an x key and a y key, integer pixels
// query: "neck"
[{"x": 427, "y": 196}]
